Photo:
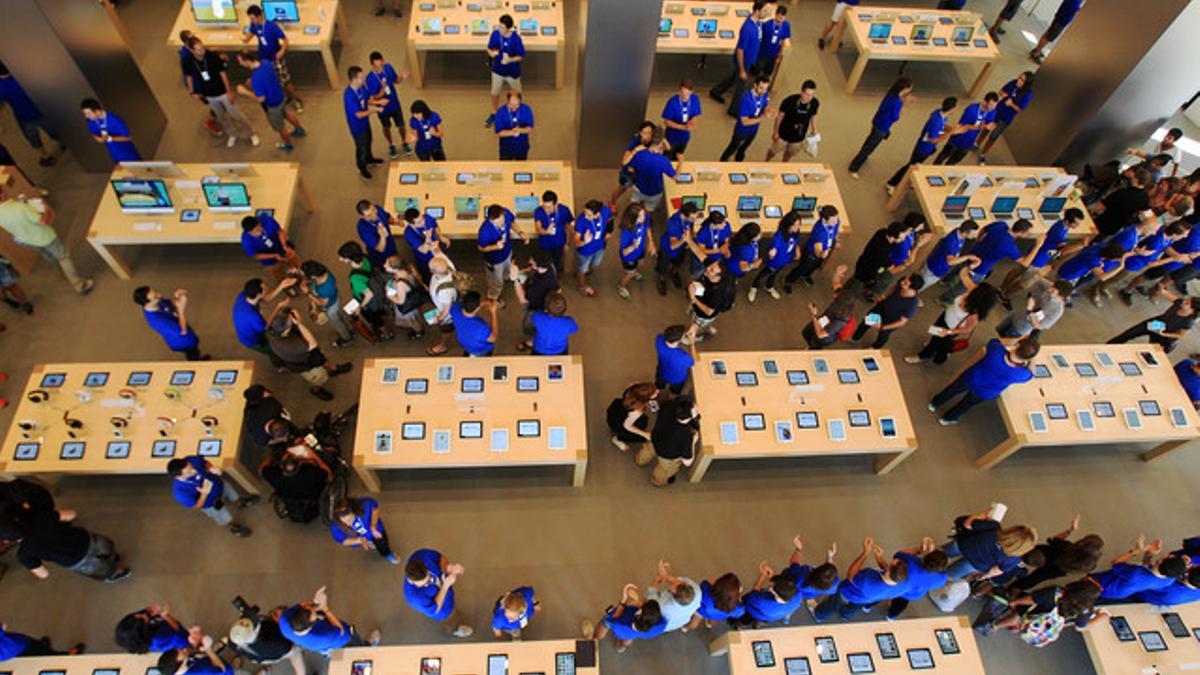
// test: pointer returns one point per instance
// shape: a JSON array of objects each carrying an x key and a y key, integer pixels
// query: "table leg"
[
  {"x": 369, "y": 478},
  {"x": 117, "y": 265},
  {"x": 244, "y": 478},
  {"x": 885, "y": 463},
  {"x": 977, "y": 88},
  {"x": 560, "y": 65},
  {"x": 856, "y": 72},
  {"x": 893, "y": 202},
  {"x": 1001, "y": 452},
  {"x": 580, "y": 468},
  {"x": 340, "y": 25},
  {"x": 835, "y": 40},
  {"x": 415, "y": 70},
  {"x": 330, "y": 65},
  {"x": 305, "y": 197},
  {"x": 701, "y": 466},
  {"x": 1164, "y": 448}
]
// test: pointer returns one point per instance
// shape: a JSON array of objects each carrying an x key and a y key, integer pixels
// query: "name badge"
[
  {"x": 387, "y": 91},
  {"x": 428, "y": 135},
  {"x": 204, "y": 75},
  {"x": 684, "y": 116}
]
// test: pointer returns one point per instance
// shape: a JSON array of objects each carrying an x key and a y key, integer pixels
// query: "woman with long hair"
[
  {"x": 636, "y": 241},
  {"x": 957, "y": 321},
  {"x": 1014, "y": 97},
  {"x": 628, "y": 415},
  {"x": 781, "y": 254}
]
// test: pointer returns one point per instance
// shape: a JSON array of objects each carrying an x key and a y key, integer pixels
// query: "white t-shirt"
[
  {"x": 441, "y": 287},
  {"x": 677, "y": 615}
]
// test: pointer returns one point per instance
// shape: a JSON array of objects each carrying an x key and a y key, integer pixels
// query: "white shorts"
[
  {"x": 838, "y": 10},
  {"x": 498, "y": 82}
]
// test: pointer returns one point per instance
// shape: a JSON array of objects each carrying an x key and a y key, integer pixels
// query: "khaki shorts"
[
  {"x": 785, "y": 147},
  {"x": 838, "y": 10},
  {"x": 317, "y": 377},
  {"x": 498, "y": 82},
  {"x": 664, "y": 470}
]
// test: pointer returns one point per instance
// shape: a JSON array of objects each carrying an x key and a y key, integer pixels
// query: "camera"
[{"x": 246, "y": 610}]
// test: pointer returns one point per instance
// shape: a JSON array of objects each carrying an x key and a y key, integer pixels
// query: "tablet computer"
[{"x": 797, "y": 377}]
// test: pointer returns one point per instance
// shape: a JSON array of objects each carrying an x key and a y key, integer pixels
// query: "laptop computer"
[
  {"x": 805, "y": 206},
  {"x": 954, "y": 207},
  {"x": 879, "y": 32},
  {"x": 749, "y": 206},
  {"x": 1052, "y": 206}
]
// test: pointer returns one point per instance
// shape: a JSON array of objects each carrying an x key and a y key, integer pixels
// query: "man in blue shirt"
[
  {"x": 494, "y": 241},
  {"x": 927, "y": 566},
  {"x": 752, "y": 110},
  {"x": 994, "y": 369},
  {"x": 933, "y": 133},
  {"x": 650, "y": 166},
  {"x": 359, "y": 105},
  {"x": 272, "y": 48},
  {"x": 1135, "y": 572},
  {"x": 313, "y": 626},
  {"x": 198, "y": 485},
  {"x": 265, "y": 241},
  {"x": 551, "y": 223},
  {"x": 976, "y": 117},
  {"x": 997, "y": 242},
  {"x": 552, "y": 329},
  {"x": 13, "y": 644},
  {"x": 1016, "y": 95},
  {"x": 1184, "y": 591},
  {"x": 776, "y": 597},
  {"x": 513, "y": 124},
  {"x": 29, "y": 118},
  {"x": 381, "y": 84},
  {"x": 1188, "y": 372},
  {"x": 1153, "y": 241},
  {"x": 1062, "y": 18},
  {"x": 862, "y": 588},
  {"x": 592, "y": 228},
  {"x": 672, "y": 247},
  {"x": 679, "y": 117},
  {"x": 776, "y": 37},
  {"x": 506, "y": 51},
  {"x": 109, "y": 129},
  {"x": 424, "y": 238},
  {"x": 429, "y": 580},
  {"x": 476, "y": 336},
  {"x": 745, "y": 58},
  {"x": 711, "y": 242},
  {"x": 822, "y": 240},
  {"x": 947, "y": 253},
  {"x": 248, "y": 321},
  {"x": 1050, "y": 246},
  {"x": 375, "y": 232},
  {"x": 169, "y": 319},
  {"x": 266, "y": 89},
  {"x": 629, "y": 620},
  {"x": 886, "y": 115},
  {"x": 674, "y": 362},
  {"x": 512, "y": 612}
]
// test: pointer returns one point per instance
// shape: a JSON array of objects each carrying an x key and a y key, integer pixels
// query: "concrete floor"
[{"x": 577, "y": 546}]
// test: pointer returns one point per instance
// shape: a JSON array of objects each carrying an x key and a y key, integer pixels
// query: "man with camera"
[
  {"x": 294, "y": 344},
  {"x": 260, "y": 640},
  {"x": 312, "y": 626}
]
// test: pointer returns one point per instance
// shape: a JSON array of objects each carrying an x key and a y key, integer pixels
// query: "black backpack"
[{"x": 377, "y": 287}]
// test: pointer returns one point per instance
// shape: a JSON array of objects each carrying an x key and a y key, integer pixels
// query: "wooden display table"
[
  {"x": 313, "y": 33},
  {"x": 746, "y": 390},
  {"x": 274, "y": 187},
  {"x": 683, "y": 36},
  {"x": 82, "y": 664},
  {"x": 453, "y": 186},
  {"x": 1067, "y": 388},
  {"x": 466, "y": 658},
  {"x": 23, "y": 258},
  {"x": 134, "y": 420},
  {"x": 458, "y": 421},
  {"x": 779, "y": 186},
  {"x": 430, "y": 19},
  {"x": 914, "y": 641},
  {"x": 904, "y": 22},
  {"x": 1113, "y": 656},
  {"x": 1007, "y": 181}
]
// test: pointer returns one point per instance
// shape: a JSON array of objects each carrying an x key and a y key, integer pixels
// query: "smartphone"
[
  {"x": 1061, "y": 361},
  {"x": 361, "y": 668},
  {"x": 497, "y": 664},
  {"x": 1179, "y": 418},
  {"x": 946, "y": 641},
  {"x": 1176, "y": 625},
  {"x": 1120, "y": 627},
  {"x": 821, "y": 366},
  {"x": 827, "y": 650},
  {"x": 431, "y": 666},
  {"x": 719, "y": 369},
  {"x": 888, "y": 648},
  {"x": 887, "y": 427},
  {"x": 1132, "y": 419},
  {"x": 870, "y": 364},
  {"x": 1148, "y": 357},
  {"x": 764, "y": 655},
  {"x": 770, "y": 368}
]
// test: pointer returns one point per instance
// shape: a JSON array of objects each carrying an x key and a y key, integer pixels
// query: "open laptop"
[
  {"x": 955, "y": 207},
  {"x": 879, "y": 32},
  {"x": 1052, "y": 206},
  {"x": 749, "y": 206},
  {"x": 805, "y": 206},
  {"x": 1004, "y": 207}
]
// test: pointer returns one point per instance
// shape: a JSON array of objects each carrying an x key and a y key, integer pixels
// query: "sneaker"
[
  {"x": 374, "y": 160},
  {"x": 661, "y": 285},
  {"x": 676, "y": 280},
  {"x": 299, "y": 132},
  {"x": 637, "y": 276},
  {"x": 285, "y": 147},
  {"x": 79, "y": 648},
  {"x": 342, "y": 369},
  {"x": 394, "y": 559},
  {"x": 12, "y": 303},
  {"x": 774, "y": 293},
  {"x": 931, "y": 408},
  {"x": 912, "y": 359},
  {"x": 587, "y": 629},
  {"x": 298, "y": 106},
  {"x": 623, "y": 292},
  {"x": 392, "y": 152},
  {"x": 982, "y": 160},
  {"x": 889, "y": 188},
  {"x": 946, "y": 423},
  {"x": 491, "y": 119},
  {"x": 231, "y": 141},
  {"x": 375, "y": 638},
  {"x": 86, "y": 286},
  {"x": 120, "y": 575},
  {"x": 321, "y": 393},
  {"x": 621, "y": 445},
  {"x": 406, "y": 148},
  {"x": 716, "y": 97},
  {"x": 752, "y": 295},
  {"x": 240, "y": 530},
  {"x": 379, "y": 11},
  {"x": 854, "y": 175},
  {"x": 820, "y": 43},
  {"x": 213, "y": 127},
  {"x": 1126, "y": 297},
  {"x": 463, "y": 631},
  {"x": 255, "y": 140},
  {"x": 1106, "y": 292},
  {"x": 339, "y": 342}
]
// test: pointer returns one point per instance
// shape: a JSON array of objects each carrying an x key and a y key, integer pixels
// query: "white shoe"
[
  {"x": 463, "y": 631},
  {"x": 912, "y": 359},
  {"x": 254, "y": 140},
  {"x": 586, "y": 629},
  {"x": 774, "y": 293},
  {"x": 752, "y": 295},
  {"x": 854, "y": 175},
  {"x": 232, "y": 141},
  {"x": 889, "y": 188}
]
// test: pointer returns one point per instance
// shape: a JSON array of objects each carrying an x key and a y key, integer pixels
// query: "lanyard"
[
  {"x": 361, "y": 95},
  {"x": 759, "y": 103},
  {"x": 202, "y": 66},
  {"x": 684, "y": 109}
]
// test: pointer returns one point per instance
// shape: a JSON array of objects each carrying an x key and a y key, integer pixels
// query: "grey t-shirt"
[
  {"x": 677, "y": 615},
  {"x": 1050, "y": 310}
]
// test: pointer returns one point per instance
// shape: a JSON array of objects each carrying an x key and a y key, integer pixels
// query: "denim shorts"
[{"x": 587, "y": 263}]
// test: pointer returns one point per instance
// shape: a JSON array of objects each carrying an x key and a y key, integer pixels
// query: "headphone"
[
  {"x": 38, "y": 396},
  {"x": 127, "y": 393}
]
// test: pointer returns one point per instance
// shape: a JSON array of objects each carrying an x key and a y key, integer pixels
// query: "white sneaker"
[
  {"x": 774, "y": 293},
  {"x": 912, "y": 359},
  {"x": 854, "y": 175},
  {"x": 254, "y": 140},
  {"x": 889, "y": 188},
  {"x": 232, "y": 141},
  {"x": 463, "y": 631},
  {"x": 752, "y": 295}
]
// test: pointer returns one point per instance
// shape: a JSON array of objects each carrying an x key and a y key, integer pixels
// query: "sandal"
[
  {"x": 434, "y": 351},
  {"x": 587, "y": 291},
  {"x": 523, "y": 346}
]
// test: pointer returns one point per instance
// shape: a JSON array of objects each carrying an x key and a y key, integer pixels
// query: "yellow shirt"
[{"x": 24, "y": 223}]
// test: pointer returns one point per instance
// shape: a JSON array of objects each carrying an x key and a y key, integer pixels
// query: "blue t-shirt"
[
  {"x": 988, "y": 378},
  {"x": 166, "y": 636},
  {"x": 326, "y": 290},
  {"x": 1084, "y": 262},
  {"x": 676, "y": 226},
  {"x": 749, "y": 41},
  {"x": 323, "y": 637},
  {"x": 187, "y": 490},
  {"x": 800, "y": 573},
  {"x": 511, "y": 45},
  {"x": 1186, "y": 246},
  {"x": 1154, "y": 244},
  {"x": 710, "y": 612},
  {"x": 248, "y": 322},
  {"x": 974, "y": 114},
  {"x": 1188, "y": 379},
  {"x": 23, "y": 107},
  {"x": 490, "y": 233},
  {"x": 1004, "y": 112},
  {"x": 267, "y": 242},
  {"x": 427, "y": 143},
  {"x": 502, "y": 622},
  {"x": 680, "y": 111},
  {"x": 513, "y": 146},
  {"x": 551, "y": 334},
  {"x": 384, "y": 82},
  {"x": 265, "y": 83},
  {"x": 635, "y": 238},
  {"x": 1124, "y": 580},
  {"x": 165, "y": 322},
  {"x": 784, "y": 246},
  {"x": 763, "y": 606},
  {"x": 557, "y": 222},
  {"x": 1067, "y": 11},
  {"x": 746, "y": 253},
  {"x": 1127, "y": 237},
  {"x": 888, "y": 113},
  {"x": 995, "y": 244},
  {"x": 712, "y": 238},
  {"x": 472, "y": 331},
  {"x": 898, "y": 253},
  {"x": 751, "y": 105},
  {"x": 119, "y": 151},
  {"x": 773, "y": 35},
  {"x": 649, "y": 168},
  {"x": 368, "y": 232},
  {"x": 424, "y": 598},
  {"x": 1056, "y": 236},
  {"x": 824, "y": 234},
  {"x": 13, "y": 645},
  {"x": 355, "y": 101},
  {"x": 597, "y": 226},
  {"x": 934, "y": 126},
  {"x": 1178, "y": 593},
  {"x": 920, "y": 580},
  {"x": 868, "y": 587},
  {"x": 948, "y": 246},
  {"x": 200, "y": 664},
  {"x": 674, "y": 363},
  {"x": 414, "y": 236},
  {"x": 622, "y": 626},
  {"x": 361, "y": 525},
  {"x": 269, "y": 35}
]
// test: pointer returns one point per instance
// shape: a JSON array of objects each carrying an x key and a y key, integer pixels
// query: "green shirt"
[
  {"x": 23, "y": 222},
  {"x": 359, "y": 282}
]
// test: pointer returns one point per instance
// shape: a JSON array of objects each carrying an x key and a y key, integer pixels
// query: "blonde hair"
[{"x": 1018, "y": 540}]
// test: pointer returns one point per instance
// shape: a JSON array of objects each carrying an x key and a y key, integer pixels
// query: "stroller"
[{"x": 323, "y": 438}]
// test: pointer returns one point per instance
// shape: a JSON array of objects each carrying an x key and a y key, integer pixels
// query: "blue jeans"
[
  {"x": 843, "y": 607},
  {"x": 961, "y": 567}
]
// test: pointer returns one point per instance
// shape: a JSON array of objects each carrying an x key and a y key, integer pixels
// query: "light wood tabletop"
[
  {"x": 934, "y": 183},
  {"x": 440, "y": 413},
  {"x": 682, "y": 21},
  {"x": 128, "y": 418},
  {"x": 1085, "y": 378},
  {"x": 1129, "y": 655},
  {"x": 274, "y": 186},
  {"x": 779, "y": 186},
  {"x": 934, "y": 31},
  {"x": 466, "y": 25},
  {"x": 466, "y": 658},
  {"x": 451, "y": 186},
  {"x": 747, "y": 396},
  {"x": 313, "y": 33},
  {"x": 912, "y": 643},
  {"x": 82, "y": 664},
  {"x": 15, "y": 184}
]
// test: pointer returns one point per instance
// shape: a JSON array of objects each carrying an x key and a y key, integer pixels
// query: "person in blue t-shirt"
[
  {"x": 720, "y": 600},
  {"x": 947, "y": 253},
  {"x": 1188, "y": 372},
  {"x": 426, "y": 134},
  {"x": 631, "y": 619},
  {"x": 1135, "y": 571},
  {"x": 822, "y": 241},
  {"x": 1015, "y": 97},
  {"x": 552, "y": 329},
  {"x": 153, "y": 629},
  {"x": 745, "y": 57},
  {"x": 1062, "y": 18},
  {"x": 649, "y": 166},
  {"x": 751, "y": 111},
  {"x": 494, "y": 241},
  {"x": 862, "y": 588},
  {"x": 625, "y": 175},
  {"x": 679, "y": 117},
  {"x": 476, "y": 336},
  {"x": 885, "y": 117},
  {"x": 780, "y": 254},
  {"x": 199, "y": 486},
  {"x": 1050, "y": 246},
  {"x": 776, "y": 37},
  {"x": 313, "y": 626},
  {"x": 513, "y": 611},
  {"x": 636, "y": 243},
  {"x": 357, "y": 524},
  {"x": 996, "y": 368},
  {"x": 1182, "y": 592},
  {"x": 743, "y": 254},
  {"x": 674, "y": 362},
  {"x": 926, "y": 573},
  {"x": 506, "y": 50},
  {"x": 996, "y": 243},
  {"x": 169, "y": 319},
  {"x": 359, "y": 106},
  {"x": 381, "y": 83},
  {"x": 551, "y": 222},
  {"x": 425, "y": 239},
  {"x": 375, "y": 231},
  {"x": 710, "y": 243},
  {"x": 592, "y": 228},
  {"x": 975, "y": 119},
  {"x": 193, "y": 660},
  {"x": 1153, "y": 242},
  {"x": 776, "y": 597},
  {"x": 1095, "y": 263},
  {"x": 272, "y": 48},
  {"x": 14, "y": 644},
  {"x": 266, "y": 89},
  {"x": 936, "y": 130},
  {"x": 110, "y": 130},
  {"x": 513, "y": 124},
  {"x": 264, "y": 240},
  {"x": 429, "y": 579},
  {"x": 248, "y": 321},
  {"x": 672, "y": 246},
  {"x": 28, "y": 117}
]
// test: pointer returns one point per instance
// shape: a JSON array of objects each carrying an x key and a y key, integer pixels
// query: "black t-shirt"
[
  {"x": 259, "y": 414},
  {"x": 672, "y": 439},
  {"x": 1120, "y": 209},
  {"x": 796, "y": 117},
  {"x": 270, "y": 645},
  {"x": 20, "y": 501},
  {"x": 718, "y": 295},
  {"x": 293, "y": 350},
  {"x": 1174, "y": 321},
  {"x": 875, "y": 256},
  {"x": 206, "y": 73},
  {"x": 307, "y": 482},
  {"x": 537, "y": 286},
  {"x": 895, "y": 307},
  {"x": 48, "y": 539}
]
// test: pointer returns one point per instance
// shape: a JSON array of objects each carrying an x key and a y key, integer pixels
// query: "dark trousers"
[
  {"x": 915, "y": 158},
  {"x": 938, "y": 348},
  {"x": 1138, "y": 330},
  {"x": 668, "y": 263},
  {"x": 737, "y": 147},
  {"x": 556, "y": 256},
  {"x": 381, "y": 544},
  {"x": 436, "y": 156},
  {"x": 881, "y": 339},
  {"x": 808, "y": 265},
  {"x": 737, "y": 84},
  {"x": 950, "y": 154},
  {"x": 896, "y": 607},
  {"x": 765, "y": 277},
  {"x": 1037, "y": 577},
  {"x": 874, "y": 138},
  {"x": 676, "y": 389},
  {"x": 958, "y": 386},
  {"x": 191, "y": 353},
  {"x": 362, "y": 149}
]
